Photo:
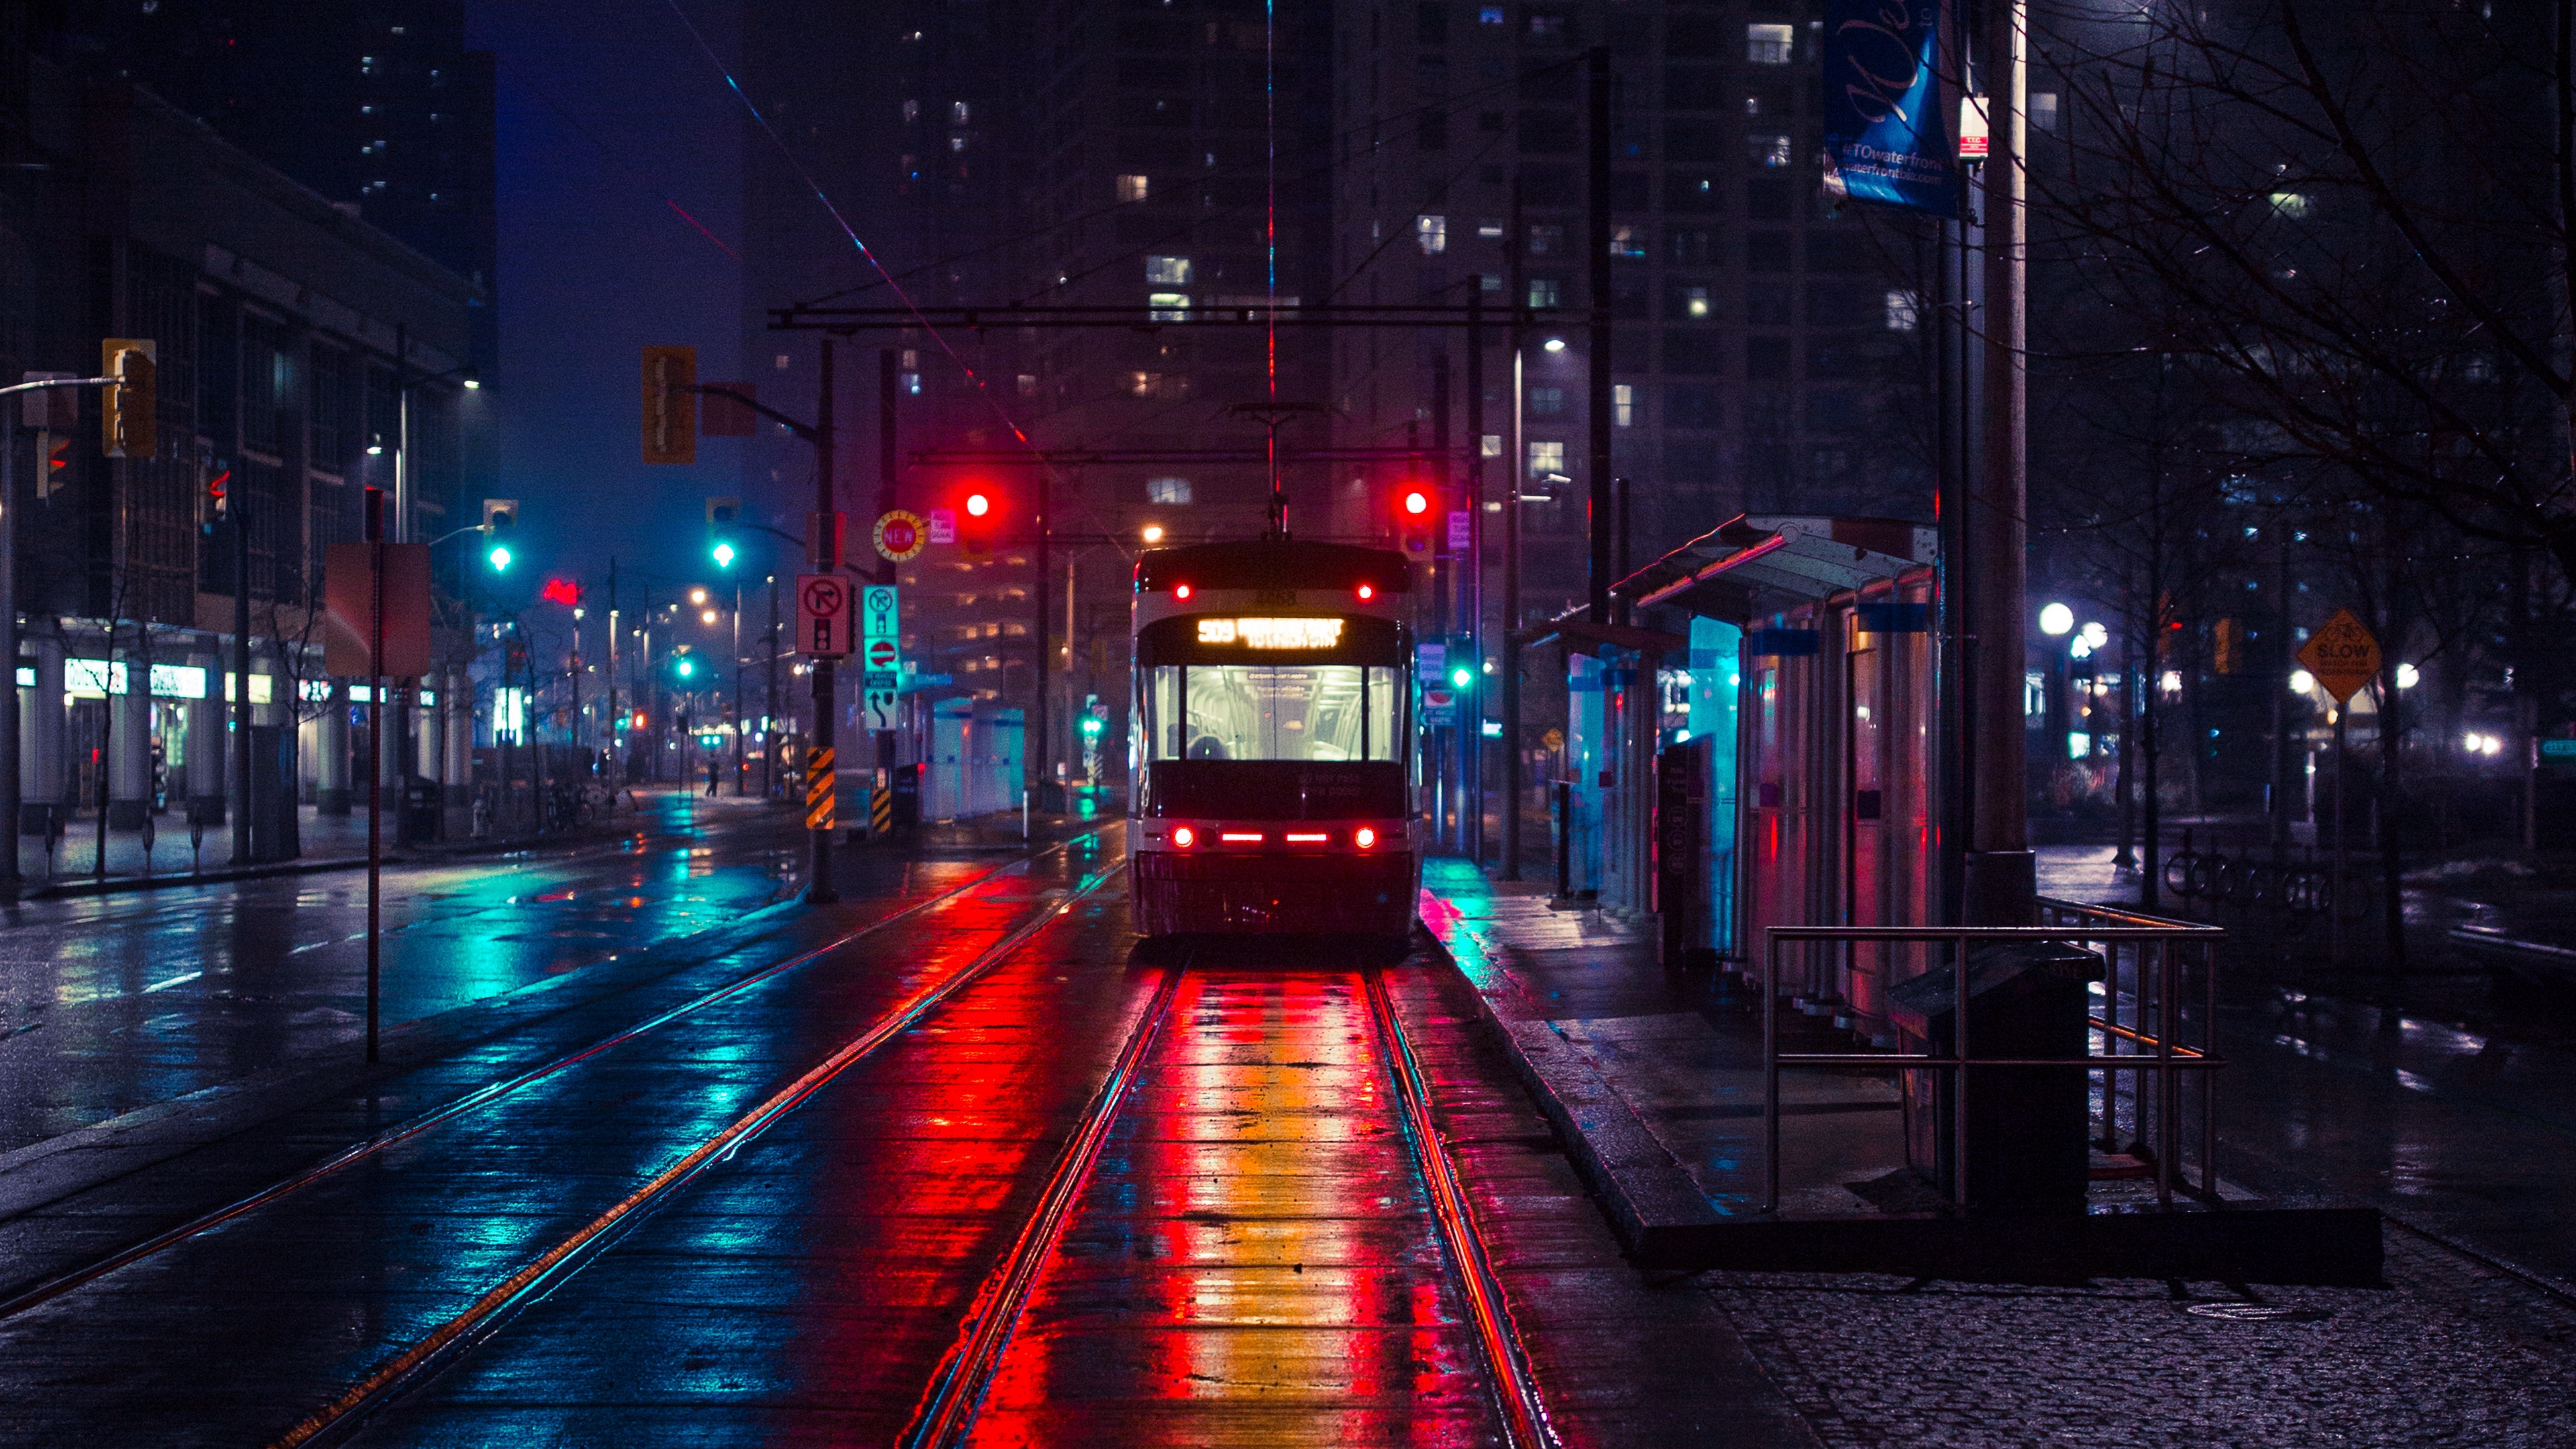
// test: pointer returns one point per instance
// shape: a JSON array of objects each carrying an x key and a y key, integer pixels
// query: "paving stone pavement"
[{"x": 2451, "y": 1353}]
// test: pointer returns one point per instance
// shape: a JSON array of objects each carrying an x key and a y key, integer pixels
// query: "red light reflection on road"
[{"x": 1254, "y": 1256}]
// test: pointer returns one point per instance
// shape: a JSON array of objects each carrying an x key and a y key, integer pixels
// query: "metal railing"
[{"x": 2149, "y": 952}]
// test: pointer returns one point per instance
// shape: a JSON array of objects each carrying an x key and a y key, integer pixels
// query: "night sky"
[{"x": 605, "y": 111}]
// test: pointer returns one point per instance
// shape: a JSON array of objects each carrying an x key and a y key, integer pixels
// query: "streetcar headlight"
[
  {"x": 1184, "y": 837},
  {"x": 1364, "y": 837}
]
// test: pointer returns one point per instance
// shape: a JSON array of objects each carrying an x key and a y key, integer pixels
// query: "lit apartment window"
[
  {"x": 958, "y": 113},
  {"x": 1904, "y": 311},
  {"x": 1542, "y": 291},
  {"x": 1546, "y": 240},
  {"x": 1489, "y": 282},
  {"x": 1770, "y": 44},
  {"x": 2290, "y": 204},
  {"x": 956, "y": 143},
  {"x": 1772, "y": 151},
  {"x": 1489, "y": 228},
  {"x": 1547, "y": 402},
  {"x": 1490, "y": 15},
  {"x": 1168, "y": 306},
  {"x": 1695, "y": 301},
  {"x": 1490, "y": 445},
  {"x": 1546, "y": 458},
  {"x": 911, "y": 111},
  {"x": 1431, "y": 233},
  {"x": 1167, "y": 490},
  {"x": 912, "y": 384},
  {"x": 1627, "y": 241},
  {"x": 1168, "y": 271},
  {"x": 911, "y": 360},
  {"x": 1623, "y": 405},
  {"x": 2043, "y": 111},
  {"x": 1132, "y": 188},
  {"x": 1028, "y": 384}
]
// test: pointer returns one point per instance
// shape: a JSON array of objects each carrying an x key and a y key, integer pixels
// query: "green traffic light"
[
  {"x": 724, "y": 555},
  {"x": 686, "y": 669},
  {"x": 1461, "y": 677},
  {"x": 500, "y": 559}
]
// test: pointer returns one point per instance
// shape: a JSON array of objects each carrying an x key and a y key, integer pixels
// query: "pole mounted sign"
[
  {"x": 823, "y": 615},
  {"x": 900, "y": 536},
  {"x": 2342, "y": 656}
]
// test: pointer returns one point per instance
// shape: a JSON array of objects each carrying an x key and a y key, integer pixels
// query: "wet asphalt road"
[
  {"x": 782, "y": 1214},
  {"x": 114, "y": 1002}
]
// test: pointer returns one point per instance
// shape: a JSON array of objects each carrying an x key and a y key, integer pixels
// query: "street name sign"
[
  {"x": 823, "y": 616},
  {"x": 2342, "y": 656}
]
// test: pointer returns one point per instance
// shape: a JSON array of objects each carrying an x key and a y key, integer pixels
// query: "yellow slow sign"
[{"x": 1272, "y": 633}]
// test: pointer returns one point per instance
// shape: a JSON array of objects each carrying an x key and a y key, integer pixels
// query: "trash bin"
[
  {"x": 2027, "y": 1126},
  {"x": 907, "y": 797},
  {"x": 424, "y": 812}
]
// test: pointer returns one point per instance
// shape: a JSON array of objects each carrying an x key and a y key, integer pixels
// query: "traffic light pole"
[
  {"x": 826, "y": 552},
  {"x": 888, "y": 389}
]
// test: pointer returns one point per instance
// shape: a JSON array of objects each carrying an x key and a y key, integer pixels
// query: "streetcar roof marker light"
[
  {"x": 1364, "y": 837},
  {"x": 1367, "y": 592},
  {"x": 1554, "y": 344},
  {"x": 1184, "y": 837},
  {"x": 2055, "y": 619},
  {"x": 1180, "y": 591}
]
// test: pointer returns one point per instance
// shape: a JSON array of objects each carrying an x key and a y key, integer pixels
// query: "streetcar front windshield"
[{"x": 1273, "y": 711}]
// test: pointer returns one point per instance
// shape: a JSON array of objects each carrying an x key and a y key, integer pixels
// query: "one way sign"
[{"x": 823, "y": 610}]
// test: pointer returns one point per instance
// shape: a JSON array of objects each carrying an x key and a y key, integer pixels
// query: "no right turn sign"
[{"x": 823, "y": 611}]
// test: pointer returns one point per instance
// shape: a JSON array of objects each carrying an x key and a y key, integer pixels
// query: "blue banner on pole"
[{"x": 1885, "y": 138}]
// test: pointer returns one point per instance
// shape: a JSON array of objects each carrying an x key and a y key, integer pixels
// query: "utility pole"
[
  {"x": 1515, "y": 467},
  {"x": 1475, "y": 495},
  {"x": 2002, "y": 886},
  {"x": 826, "y": 551},
  {"x": 769, "y": 730},
  {"x": 888, "y": 390},
  {"x": 609, "y": 740},
  {"x": 1597, "y": 408},
  {"x": 238, "y": 507}
]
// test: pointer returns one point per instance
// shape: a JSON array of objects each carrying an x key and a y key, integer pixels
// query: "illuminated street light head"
[
  {"x": 708, "y": 617},
  {"x": 1153, "y": 533},
  {"x": 697, "y": 596},
  {"x": 2055, "y": 619},
  {"x": 1554, "y": 344}
]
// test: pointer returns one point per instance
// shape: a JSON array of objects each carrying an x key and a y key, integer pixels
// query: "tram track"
[
  {"x": 434, "y": 1351},
  {"x": 490, "y": 1093},
  {"x": 947, "y": 1411}
]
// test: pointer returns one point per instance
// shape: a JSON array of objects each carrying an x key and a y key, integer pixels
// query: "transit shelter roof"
[{"x": 1752, "y": 563}]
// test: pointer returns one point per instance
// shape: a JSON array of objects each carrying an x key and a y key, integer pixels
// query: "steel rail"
[
  {"x": 482, "y": 1096},
  {"x": 541, "y": 1275},
  {"x": 948, "y": 1404},
  {"x": 1524, "y": 1415}
]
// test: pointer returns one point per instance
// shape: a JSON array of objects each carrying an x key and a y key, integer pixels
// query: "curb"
[{"x": 1659, "y": 1214}]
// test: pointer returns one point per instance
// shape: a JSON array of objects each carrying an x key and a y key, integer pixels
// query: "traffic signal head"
[
  {"x": 215, "y": 500},
  {"x": 979, "y": 518},
  {"x": 500, "y": 521},
  {"x": 684, "y": 667},
  {"x": 126, "y": 422},
  {"x": 670, "y": 404},
  {"x": 1414, "y": 509},
  {"x": 1460, "y": 677},
  {"x": 723, "y": 514},
  {"x": 561, "y": 591}
]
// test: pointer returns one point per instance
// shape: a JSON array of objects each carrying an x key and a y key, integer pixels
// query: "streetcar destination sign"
[{"x": 1272, "y": 633}]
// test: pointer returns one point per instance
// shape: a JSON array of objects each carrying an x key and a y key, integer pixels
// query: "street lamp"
[
  {"x": 1153, "y": 533},
  {"x": 2056, "y": 619}
]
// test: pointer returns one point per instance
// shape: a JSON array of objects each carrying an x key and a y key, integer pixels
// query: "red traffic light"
[
  {"x": 561, "y": 591},
  {"x": 1416, "y": 502},
  {"x": 977, "y": 505}
]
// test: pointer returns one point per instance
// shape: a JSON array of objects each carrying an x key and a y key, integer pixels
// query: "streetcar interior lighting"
[
  {"x": 1239, "y": 837},
  {"x": 1272, "y": 633},
  {"x": 1367, "y": 592},
  {"x": 1184, "y": 837},
  {"x": 1180, "y": 591},
  {"x": 1295, "y": 837},
  {"x": 1364, "y": 837}
]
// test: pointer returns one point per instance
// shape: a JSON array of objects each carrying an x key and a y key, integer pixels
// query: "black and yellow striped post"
[
  {"x": 819, "y": 783},
  {"x": 881, "y": 811}
]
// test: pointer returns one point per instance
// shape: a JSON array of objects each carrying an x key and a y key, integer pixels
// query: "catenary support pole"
[
  {"x": 1515, "y": 478},
  {"x": 2002, "y": 887},
  {"x": 827, "y": 559},
  {"x": 9, "y": 762},
  {"x": 240, "y": 510},
  {"x": 376, "y": 716},
  {"x": 1597, "y": 409}
]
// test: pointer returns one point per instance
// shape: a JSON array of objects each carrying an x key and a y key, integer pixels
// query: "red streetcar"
[{"x": 1272, "y": 742}]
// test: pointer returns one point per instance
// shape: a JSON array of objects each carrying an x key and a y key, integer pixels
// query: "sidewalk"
[{"x": 1653, "y": 1077}]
